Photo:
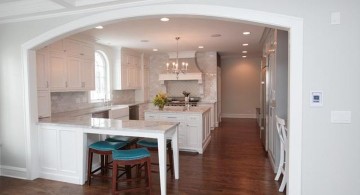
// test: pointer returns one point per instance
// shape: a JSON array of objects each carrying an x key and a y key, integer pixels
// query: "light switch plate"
[{"x": 342, "y": 117}]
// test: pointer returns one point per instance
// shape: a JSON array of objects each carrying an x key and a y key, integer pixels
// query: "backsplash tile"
[
  {"x": 70, "y": 101},
  {"x": 176, "y": 88}
]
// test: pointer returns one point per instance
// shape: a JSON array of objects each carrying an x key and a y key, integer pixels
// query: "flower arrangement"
[{"x": 160, "y": 100}]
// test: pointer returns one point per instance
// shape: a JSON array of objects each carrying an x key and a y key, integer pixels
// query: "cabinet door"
[
  {"x": 87, "y": 51},
  {"x": 192, "y": 135},
  {"x": 44, "y": 106},
  {"x": 58, "y": 46},
  {"x": 73, "y": 73},
  {"x": 88, "y": 74},
  {"x": 57, "y": 63},
  {"x": 182, "y": 136},
  {"x": 42, "y": 70},
  {"x": 73, "y": 48}
]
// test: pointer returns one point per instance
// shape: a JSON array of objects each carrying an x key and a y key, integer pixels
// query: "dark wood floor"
[{"x": 233, "y": 163}]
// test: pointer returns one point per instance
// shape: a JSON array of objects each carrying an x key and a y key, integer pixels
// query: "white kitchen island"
[
  {"x": 194, "y": 128},
  {"x": 63, "y": 144}
]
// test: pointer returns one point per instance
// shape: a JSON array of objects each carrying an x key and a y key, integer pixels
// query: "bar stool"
[
  {"x": 118, "y": 138},
  {"x": 104, "y": 149},
  {"x": 139, "y": 157},
  {"x": 281, "y": 129},
  {"x": 152, "y": 145}
]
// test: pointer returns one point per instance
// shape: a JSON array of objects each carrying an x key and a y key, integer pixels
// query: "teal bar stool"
[
  {"x": 152, "y": 145},
  {"x": 139, "y": 157},
  {"x": 118, "y": 138},
  {"x": 104, "y": 149}
]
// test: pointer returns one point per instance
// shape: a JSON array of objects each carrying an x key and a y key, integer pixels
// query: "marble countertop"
[
  {"x": 86, "y": 121},
  {"x": 88, "y": 111},
  {"x": 180, "y": 109}
]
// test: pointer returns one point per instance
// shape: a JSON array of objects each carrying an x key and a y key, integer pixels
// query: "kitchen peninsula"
[
  {"x": 194, "y": 128},
  {"x": 63, "y": 144}
]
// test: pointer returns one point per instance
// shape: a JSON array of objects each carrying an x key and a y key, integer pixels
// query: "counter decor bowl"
[{"x": 160, "y": 100}]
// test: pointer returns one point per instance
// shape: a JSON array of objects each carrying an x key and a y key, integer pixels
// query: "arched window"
[{"x": 102, "y": 89}]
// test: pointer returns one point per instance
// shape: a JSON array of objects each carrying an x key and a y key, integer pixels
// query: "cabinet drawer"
[
  {"x": 150, "y": 117},
  {"x": 193, "y": 118},
  {"x": 172, "y": 118}
]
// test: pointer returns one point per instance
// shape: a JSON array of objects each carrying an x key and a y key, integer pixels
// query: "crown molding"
[{"x": 37, "y": 16}]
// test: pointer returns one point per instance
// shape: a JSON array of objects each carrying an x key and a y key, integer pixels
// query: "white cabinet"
[
  {"x": 44, "y": 104},
  {"x": 88, "y": 74},
  {"x": 73, "y": 66},
  {"x": 66, "y": 65},
  {"x": 60, "y": 151},
  {"x": 213, "y": 113},
  {"x": 194, "y": 129},
  {"x": 42, "y": 69},
  {"x": 130, "y": 70},
  {"x": 58, "y": 71}
]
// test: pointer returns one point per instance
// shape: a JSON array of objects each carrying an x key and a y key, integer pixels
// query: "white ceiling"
[
  {"x": 20, "y": 10},
  {"x": 194, "y": 31}
]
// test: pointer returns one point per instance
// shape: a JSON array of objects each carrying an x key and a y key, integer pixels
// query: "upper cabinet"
[
  {"x": 42, "y": 69},
  {"x": 129, "y": 69},
  {"x": 66, "y": 65}
]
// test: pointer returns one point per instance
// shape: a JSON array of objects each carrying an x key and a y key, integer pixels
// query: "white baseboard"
[
  {"x": 60, "y": 177},
  {"x": 14, "y": 172},
  {"x": 229, "y": 115}
]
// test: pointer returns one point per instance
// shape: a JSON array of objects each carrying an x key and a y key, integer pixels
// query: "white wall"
[
  {"x": 240, "y": 87},
  {"x": 330, "y": 152}
]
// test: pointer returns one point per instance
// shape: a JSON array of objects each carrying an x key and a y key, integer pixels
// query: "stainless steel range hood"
[{"x": 193, "y": 73}]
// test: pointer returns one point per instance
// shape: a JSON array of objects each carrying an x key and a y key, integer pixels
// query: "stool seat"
[
  {"x": 107, "y": 146},
  {"x": 132, "y": 154},
  {"x": 120, "y": 139},
  {"x": 149, "y": 143}
]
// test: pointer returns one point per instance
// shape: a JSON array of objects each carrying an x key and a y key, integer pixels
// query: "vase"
[{"x": 161, "y": 107}]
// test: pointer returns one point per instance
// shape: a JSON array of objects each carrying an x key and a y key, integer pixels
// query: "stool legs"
[
  {"x": 90, "y": 157},
  {"x": 139, "y": 163}
]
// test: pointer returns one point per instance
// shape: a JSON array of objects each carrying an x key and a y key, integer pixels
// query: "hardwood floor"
[{"x": 233, "y": 163}]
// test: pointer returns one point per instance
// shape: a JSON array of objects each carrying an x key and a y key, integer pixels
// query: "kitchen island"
[
  {"x": 194, "y": 128},
  {"x": 63, "y": 144}
]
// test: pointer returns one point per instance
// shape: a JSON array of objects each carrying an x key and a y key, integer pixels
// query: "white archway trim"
[{"x": 293, "y": 24}]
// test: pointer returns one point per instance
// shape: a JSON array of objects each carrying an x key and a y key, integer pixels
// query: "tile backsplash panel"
[
  {"x": 176, "y": 88},
  {"x": 70, "y": 101}
]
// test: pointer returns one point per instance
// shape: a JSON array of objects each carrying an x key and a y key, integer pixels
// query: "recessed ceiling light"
[
  {"x": 243, "y": 56},
  {"x": 244, "y": 52},
  {"x": 164, "y": 19},
  {"x": 155, "y": 49},
  {"x": 201, "y": 47},
  {"x": 245, "y": 44},
  {"x": 216, "y": 35},
  {"x": 144, "y": 41},
  {"x": 99, "y": 27},
  {"x": 246, "y": 33}
]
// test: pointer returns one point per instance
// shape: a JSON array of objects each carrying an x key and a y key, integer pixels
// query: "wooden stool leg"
[
  {"x": 90, "y": 157},
  {"x": 148, "y": 174},
  {"x": 114, "y": 177},
  {"x": 171, "y": 160}
]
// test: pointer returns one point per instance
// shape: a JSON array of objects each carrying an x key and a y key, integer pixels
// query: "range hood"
[{"x": 193, "y": 73}]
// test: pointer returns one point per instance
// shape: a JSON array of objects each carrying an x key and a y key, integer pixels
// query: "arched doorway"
[{"x": 292, "y": 24}]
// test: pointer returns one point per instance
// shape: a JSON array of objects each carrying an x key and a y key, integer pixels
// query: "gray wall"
[
  {"x": 240, "y": 87},
  {"x": 330, "y": 152}
]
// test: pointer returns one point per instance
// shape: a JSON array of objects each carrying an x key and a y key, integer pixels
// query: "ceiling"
[
  {"x": 22, "y": 10},
  {"x": 193, "y": 32}
]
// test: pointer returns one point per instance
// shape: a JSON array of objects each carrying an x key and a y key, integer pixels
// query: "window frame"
[{"x": 106, "y": 78}]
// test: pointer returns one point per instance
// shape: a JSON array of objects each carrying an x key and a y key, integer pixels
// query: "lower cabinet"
[
  {"x": 194, "y": 129},
  {"x": 60, "y": 151}
]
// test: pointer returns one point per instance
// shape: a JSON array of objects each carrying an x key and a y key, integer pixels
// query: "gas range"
[{"x": 180, "y": 101}]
